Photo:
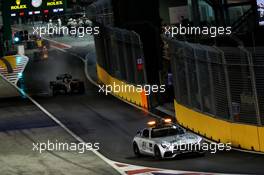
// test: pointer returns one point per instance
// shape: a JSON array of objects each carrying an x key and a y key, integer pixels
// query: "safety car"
[{"x": 166, "y": 140}]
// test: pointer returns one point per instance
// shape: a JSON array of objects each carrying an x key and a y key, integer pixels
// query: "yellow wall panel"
[
  {"x": 261, "y": 138},
  {"x": 204, "y": 125},
  {"x": 2, "y": 65},
  {"x": 245, "y": 136},
  {"x": 137, "y": 98},
  {"x": 240, "y": 135},
  {"x": 12, "y": 60}
]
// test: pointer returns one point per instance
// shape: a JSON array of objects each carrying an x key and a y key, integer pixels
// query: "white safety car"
[{"x": 166, "y": 140}]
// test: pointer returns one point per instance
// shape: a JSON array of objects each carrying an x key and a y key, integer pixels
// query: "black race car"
[{"x": 64, "y": 84}]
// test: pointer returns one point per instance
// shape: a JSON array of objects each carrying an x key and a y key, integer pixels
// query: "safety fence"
[
  {"x": 120, "y": 53},
  {"x": 102, "y": 9},
  {"x": 219, "y": 92},
  {"x": 120, "y": 60},
  {"x": 223, "y": 82}
]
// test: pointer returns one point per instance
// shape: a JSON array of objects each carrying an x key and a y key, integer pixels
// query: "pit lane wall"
[
  {"x": 136, "y": 98},
  {"x": 11, "y": 70}
]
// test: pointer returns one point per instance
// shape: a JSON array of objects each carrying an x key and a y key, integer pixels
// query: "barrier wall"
[
  {"x": 11, "y": 71},
  {"x": 240, "y": 135},
  {"x": 139, "y": 99},
  {"x": 261, "y": 138}
]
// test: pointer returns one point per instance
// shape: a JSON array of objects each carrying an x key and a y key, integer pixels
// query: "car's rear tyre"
[
  {"x": 136, "y": 150},
  {"x": 157, "y": 153}
]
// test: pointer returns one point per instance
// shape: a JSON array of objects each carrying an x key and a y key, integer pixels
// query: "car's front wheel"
[
  {"x": 157, "y": 153},
  {"x": 136, "y": 150}
]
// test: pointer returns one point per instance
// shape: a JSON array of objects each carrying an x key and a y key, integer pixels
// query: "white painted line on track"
[
  {"x": 57, "y": 42},
  {"x": 62, "y": 50}
]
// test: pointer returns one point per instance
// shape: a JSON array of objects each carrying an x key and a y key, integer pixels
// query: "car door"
[
  {"x": 144, "y": 141},
  {"x": 151, "y": 144}
]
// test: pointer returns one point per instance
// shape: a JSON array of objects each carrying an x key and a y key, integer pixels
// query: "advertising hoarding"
[{"x": 34, "y": 7}]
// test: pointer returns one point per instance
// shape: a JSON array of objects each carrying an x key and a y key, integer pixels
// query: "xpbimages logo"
[
  {"x": 63, "y": 30},
  {"x": 125, "y": 88},
  {"x": 60, "y": 146},
  {"x": 213, "y": 32},
  {"x": 204, "y": 146}
]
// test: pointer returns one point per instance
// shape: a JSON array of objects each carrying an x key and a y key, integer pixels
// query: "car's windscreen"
[{"x": 156, "y": 133}]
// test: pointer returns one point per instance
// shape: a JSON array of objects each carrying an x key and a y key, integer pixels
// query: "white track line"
[{"x": 57, "y": 42}]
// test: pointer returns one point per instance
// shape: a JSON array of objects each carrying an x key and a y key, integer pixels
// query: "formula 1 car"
[
  {"x": 64, "y": 84},
  {"x": 166, "y": 141}
]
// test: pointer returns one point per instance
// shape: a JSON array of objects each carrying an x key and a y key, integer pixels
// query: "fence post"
[
  {"x": 125, "y": 57},
  {"x": 187, "y": 78},
  {"x": 212, "y": 88},
  {"x": 229, "y": 99},
  {"x": 253, "y": 82},
  {"x": 197, "y": 76},
  {"x": 107, "y": 55},
  {"x": 136, "y": 77},
  {"x": 145, "y": 80}
]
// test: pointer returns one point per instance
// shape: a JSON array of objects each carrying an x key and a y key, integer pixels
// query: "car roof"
[{"x": 164, "y": 127}]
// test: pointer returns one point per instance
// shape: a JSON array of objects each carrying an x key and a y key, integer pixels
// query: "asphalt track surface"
[
  {"x": 21, "y": 125},
  {"x": 20, "y": 113},
  {"x": 104, "y": 119}
]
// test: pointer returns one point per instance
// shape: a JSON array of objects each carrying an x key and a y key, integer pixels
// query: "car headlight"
[{"x": 165, "y": 144}]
